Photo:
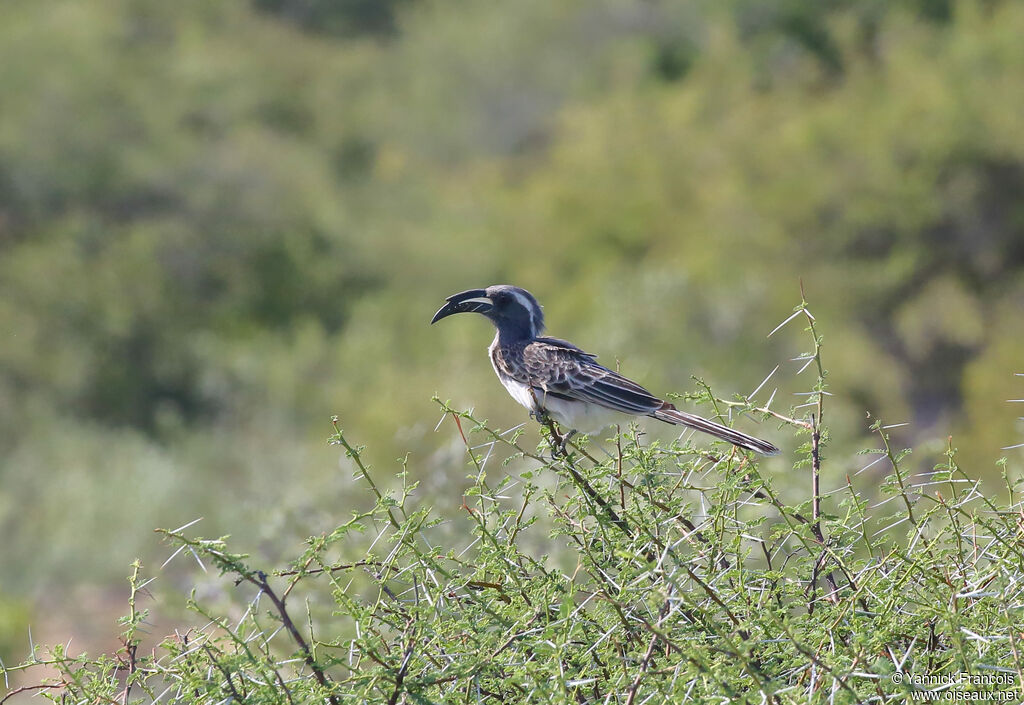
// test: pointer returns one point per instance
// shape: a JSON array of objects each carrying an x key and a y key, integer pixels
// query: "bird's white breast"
[{"x": 518, "y": 391}]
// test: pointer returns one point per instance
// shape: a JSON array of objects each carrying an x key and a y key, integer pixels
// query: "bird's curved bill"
[{"x": 474, "y": 300}]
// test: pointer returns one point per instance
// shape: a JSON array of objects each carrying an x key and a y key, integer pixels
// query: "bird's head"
[{"x": 512, "y": 310}]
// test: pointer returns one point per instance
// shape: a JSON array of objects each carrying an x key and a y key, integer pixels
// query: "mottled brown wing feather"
[{"x": 563, "y": 369}]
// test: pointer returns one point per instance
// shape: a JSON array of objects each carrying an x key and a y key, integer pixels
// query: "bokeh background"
[{"x": 223, "y": 222}]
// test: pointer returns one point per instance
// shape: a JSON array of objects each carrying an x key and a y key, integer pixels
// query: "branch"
[
  {"x": 26, "y": 688},
  {"x": 402, "y": 670},
  {"x": 259, "y": 579}
]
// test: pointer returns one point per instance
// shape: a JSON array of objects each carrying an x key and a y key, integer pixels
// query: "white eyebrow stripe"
[{"x": 525, "y": 302}]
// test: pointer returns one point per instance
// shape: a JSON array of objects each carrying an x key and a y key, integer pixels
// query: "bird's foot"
[
  {"x": 565, "y": 442},
  {"x": 560, "y": 448}
]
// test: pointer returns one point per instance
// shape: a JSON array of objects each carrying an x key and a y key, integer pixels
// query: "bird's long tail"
[{"x": 669, "y": 414}]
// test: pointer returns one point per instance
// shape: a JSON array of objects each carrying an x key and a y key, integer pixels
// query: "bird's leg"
[
  {"x": 558, "y": 448},
  {"x": 542, "y": 417},
  {"x": 565, "y": 441}
]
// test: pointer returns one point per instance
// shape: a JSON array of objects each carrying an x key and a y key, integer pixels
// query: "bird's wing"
[
  {"x": 559, "y": 368},
  {"x": 559, "y": 343}
]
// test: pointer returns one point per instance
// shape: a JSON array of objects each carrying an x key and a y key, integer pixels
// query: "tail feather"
[{"x": 669, "y": 414}]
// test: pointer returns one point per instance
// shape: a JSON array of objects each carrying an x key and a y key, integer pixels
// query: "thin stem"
[{"x": 353, "y": 453}]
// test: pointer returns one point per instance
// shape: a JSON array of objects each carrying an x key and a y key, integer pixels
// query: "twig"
[
  {"x": 816, "y": 478},
  {"x": 227, "y": 675},
  {"x": 815, "y": 428},
  {"x": 26, "y": 688},
  {"x": 816, "y": 421},
  {"x": 354, "y": 454},
  {"x": 764, "y": 410},
  {"x": 402, "y": 670},
  {"x": 329, "y": 569},
  {"x": 896, "y": 471},
  {"x": 259, "y": 579},
  {"x": 131, "y": 645},
  {"x": 618, "y": 467},
  {"x": 643, "y": 668}
]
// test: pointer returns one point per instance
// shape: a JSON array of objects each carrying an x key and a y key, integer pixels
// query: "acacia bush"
[
  {"x": 206, "y": 244},
  {"x": 647, "y": 572}
]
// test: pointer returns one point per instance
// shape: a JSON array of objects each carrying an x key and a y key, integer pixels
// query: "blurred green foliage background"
[{"x": 220, "y": 223}]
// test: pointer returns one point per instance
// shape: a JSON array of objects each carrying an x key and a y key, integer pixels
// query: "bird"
[{"x": 555, "y": 379}]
